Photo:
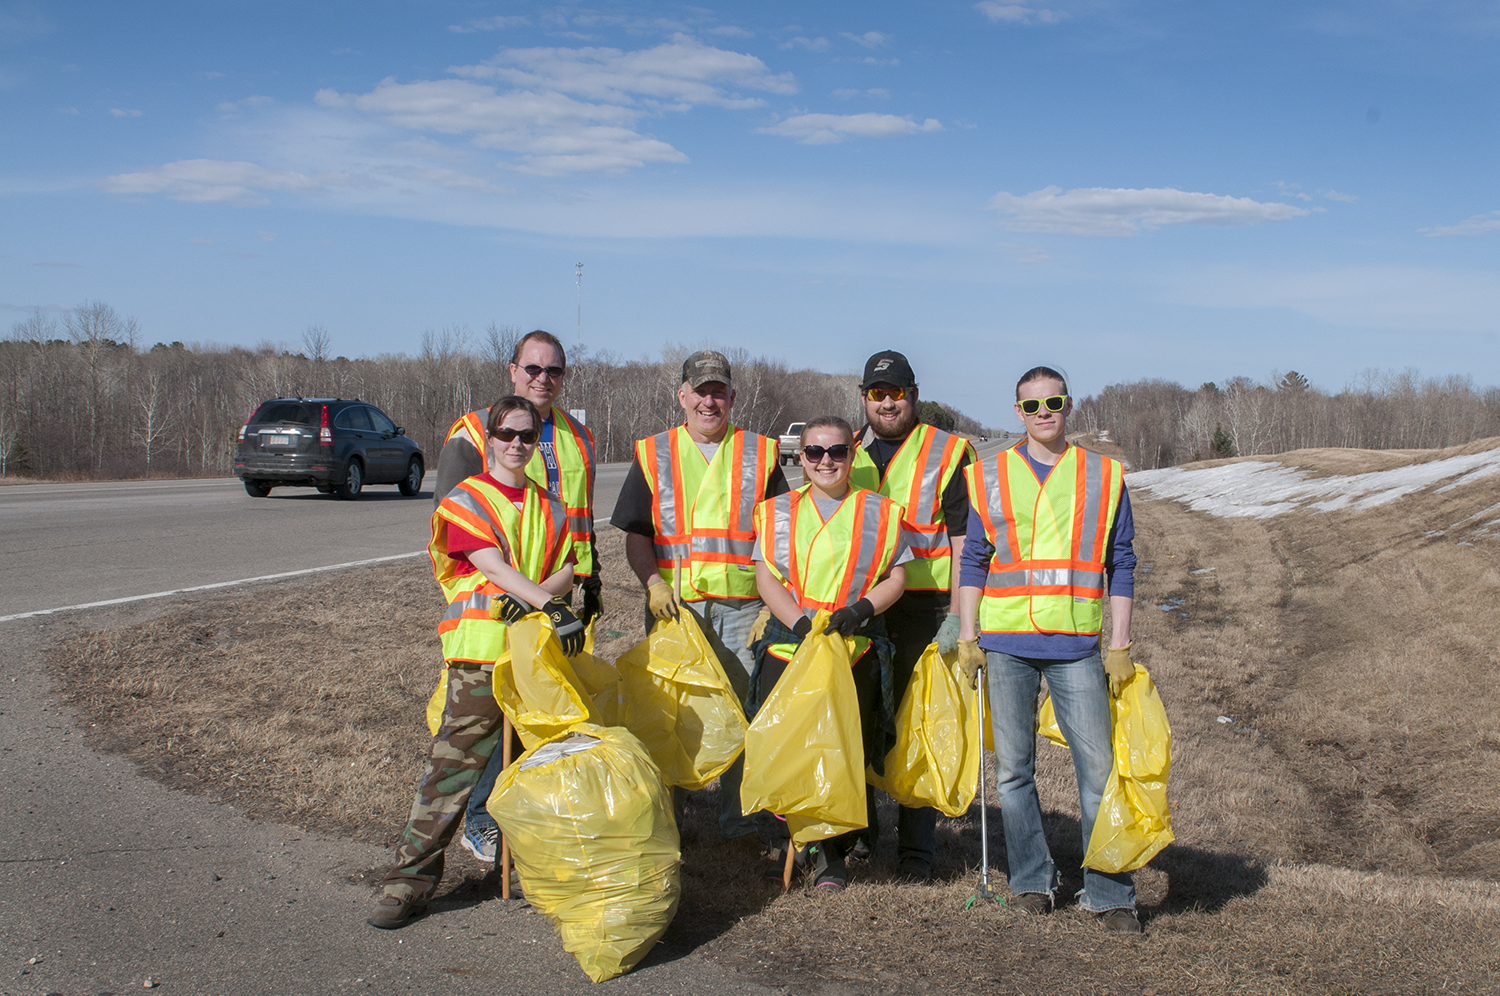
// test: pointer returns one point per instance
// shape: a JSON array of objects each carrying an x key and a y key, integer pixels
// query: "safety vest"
[
  {"x": 533, "y": 539},
  {"x": 915, "y": 479},
  {"x": 703, "y": 510},
  {"x": 1047, "y": 573},
  {"x": 828, "y": 565},
  {"x": 574, "y": 445}
]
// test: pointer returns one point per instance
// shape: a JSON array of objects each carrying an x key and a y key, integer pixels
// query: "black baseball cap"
[
  {"x": 704, "y": 366},
  {"x": 888, "y": 367}
]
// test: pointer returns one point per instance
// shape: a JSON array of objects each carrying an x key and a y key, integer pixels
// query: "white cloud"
[
  {"x": 846, "y": 94},
  {"x": 1018, "y": 13},
  {"x": 1103, "y": 211},
  {"x": 488, "y": 24},
  {"x": 811, "y": 44},
  {"x": 826, "y": 129},
  {"x": 230, "y": 109},
  {"x": 683, "y": 72},
  {"x": 731, "y": 31},
  {"x": 214, "y": 181},
  {"x": 1477, "y": 225},
  {"x": 1334, "y": 195},
  {"x": 125, "y": 113},
  {"x": 870, "y": 39}
]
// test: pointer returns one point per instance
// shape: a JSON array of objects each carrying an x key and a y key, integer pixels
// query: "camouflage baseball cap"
[{"x": 705, "y": 366}]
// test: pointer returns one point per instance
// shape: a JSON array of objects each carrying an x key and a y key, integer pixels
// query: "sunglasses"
[
  {"x": 838, "y": 451},
  {"x": 533, "y": 371},
  {"x": 878, "y": 394},
  {"x": 528, "y": 436},
  {"x": 1033, "y": 405}
]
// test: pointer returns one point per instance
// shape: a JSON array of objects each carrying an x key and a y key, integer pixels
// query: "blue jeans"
[{"x": 1080, "y": 696}]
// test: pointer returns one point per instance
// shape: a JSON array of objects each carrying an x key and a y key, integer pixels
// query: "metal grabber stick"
[
  {"x": 505, "y": 759},
  {"x": 983, "y": 891}
]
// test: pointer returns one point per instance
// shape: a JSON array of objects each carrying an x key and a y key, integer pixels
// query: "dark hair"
[
  {"x": 506, "y": 405},
  {"x": 1040, "y": 373},
  {"x": 539, "y": 336},
  {"x": 826, "y": 422}
]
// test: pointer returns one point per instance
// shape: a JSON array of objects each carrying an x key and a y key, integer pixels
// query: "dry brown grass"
[{"x": 1340, "y": 836}]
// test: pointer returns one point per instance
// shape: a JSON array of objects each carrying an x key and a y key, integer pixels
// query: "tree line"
[
  {"x": 83, "y": 397},
  {"x": 1159, "y": 423}
]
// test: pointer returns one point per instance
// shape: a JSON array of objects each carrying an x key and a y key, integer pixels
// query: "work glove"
[
  {"x": 662, "y": 601},
  {"x": 1119, "y": 667},
  {"x": 758, "y": 629},
  {"x": 845, "y": 621},
  {"x": 508, "y": 609},
  {"x": 970, "y": 660},
  {"x": 592, "y": 607},
  {"x": 568, "y": 626},
  {"x": 802, "y": 628},
  {"x": 947, "y": 634}
]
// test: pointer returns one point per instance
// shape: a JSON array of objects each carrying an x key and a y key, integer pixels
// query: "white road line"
[{"x": 207, "y": 587}]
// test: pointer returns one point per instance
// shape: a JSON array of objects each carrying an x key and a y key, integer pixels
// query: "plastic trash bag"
[
  {"x": 590, "y": 825},
  {"x": 676, "y": 698},
  {"x": 1134, "y": 820},
  {"x": 935, "y": 761},
  {"x": 600, "y": 683},
  {"x": 1046, "y": 723},
  {"x": 539, "y": 689},
  {"x": 804, "y": 755}
]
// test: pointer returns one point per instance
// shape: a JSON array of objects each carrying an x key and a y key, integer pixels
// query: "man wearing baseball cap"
[
  {"x": 686, "y": 507},
  {"x": 919, "y": 467}
]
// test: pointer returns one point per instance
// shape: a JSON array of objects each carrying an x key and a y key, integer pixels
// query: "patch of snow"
[{"x": 1261, "y": 490}]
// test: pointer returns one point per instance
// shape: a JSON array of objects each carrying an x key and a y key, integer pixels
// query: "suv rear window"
[{"x": 295, "y": 412}]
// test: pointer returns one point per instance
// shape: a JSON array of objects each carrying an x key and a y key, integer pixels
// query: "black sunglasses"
[
  {"x": 839, "y": 452},
  {"x": 533, "y": 371},
  {"x": 1033, "y": 405},
  {"x": 528, "y": 436}
]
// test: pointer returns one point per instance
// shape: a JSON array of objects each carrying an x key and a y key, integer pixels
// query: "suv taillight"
[
  {"x": 325, "y": 435},
  {"x": 247, "y": 423}
]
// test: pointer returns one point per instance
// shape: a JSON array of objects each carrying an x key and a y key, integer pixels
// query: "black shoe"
[
  {"x": 916, "y": 870},
  {"x": 395, "y": 911},
  {"x": 860, "y": 851},
  {"x": 1034, "y": 903},
  {"x": 1120, "y": 921},
  {"x": 829, "y": 873}
]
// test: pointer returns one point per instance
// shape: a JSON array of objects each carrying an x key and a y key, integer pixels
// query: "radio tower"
[{"x": 579, "y": 343}]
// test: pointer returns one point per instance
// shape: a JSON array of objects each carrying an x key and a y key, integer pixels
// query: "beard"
[{"x": 900, "y": 429}]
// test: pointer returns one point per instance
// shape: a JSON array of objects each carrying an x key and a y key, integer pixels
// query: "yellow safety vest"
[
  {"x": 828, "y": 565},
  {"x": 702, "y": 512},
  {"x": 915, "y": 479},
  {"x": 573, "y": 444},
  {"x": 533, "y": 539},
  {"x": 1047, "y": 573}
]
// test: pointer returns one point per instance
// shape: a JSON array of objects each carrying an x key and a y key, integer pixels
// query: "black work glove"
[
  {"x": 508, "y": 609},
  {"x": 569, "y": 628},
  {"x": 592, "y": 606},
  {"x": 850, "y": 618},
  {"x": 803, "y": 627}
]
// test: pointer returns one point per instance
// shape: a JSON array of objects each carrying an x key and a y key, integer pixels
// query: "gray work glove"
[{"x": 947, "y": 634}]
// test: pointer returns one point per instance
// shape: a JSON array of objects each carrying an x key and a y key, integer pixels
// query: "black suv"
[{"x": 335, "y": 445}]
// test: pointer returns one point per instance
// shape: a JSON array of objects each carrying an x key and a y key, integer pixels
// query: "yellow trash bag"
[
  {"x": 590, "y": 825},
  {"x": 1046, "y": 723},
  {"x": 804, "y": 755},
  {"x": 1134, "y": 821},
  {"x": 935, "y": 761},
  {"x": 535, "y": 683},
  {"x": 675, "y": 697}
]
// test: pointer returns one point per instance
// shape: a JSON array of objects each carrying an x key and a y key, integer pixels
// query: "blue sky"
[{"x": 1179, "y": 190}]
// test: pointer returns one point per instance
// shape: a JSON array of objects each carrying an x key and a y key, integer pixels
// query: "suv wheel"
[
  {"x": 411, "y": 484},
  {"x": 257, "y": 489},
  {"x": 354, "y": 480}
]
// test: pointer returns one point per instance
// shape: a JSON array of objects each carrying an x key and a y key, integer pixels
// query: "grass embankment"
[{"x": 1338, "y": 836}]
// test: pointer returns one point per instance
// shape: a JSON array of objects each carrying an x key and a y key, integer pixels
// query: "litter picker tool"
[
  {"x": 505, "y": 735},
  {"x": 983, "y": 890}
]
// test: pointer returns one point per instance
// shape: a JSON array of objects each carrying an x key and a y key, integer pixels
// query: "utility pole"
[{"x": 579, "y": 342}]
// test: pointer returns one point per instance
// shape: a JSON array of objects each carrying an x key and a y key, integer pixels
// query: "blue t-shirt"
[
  {"x": 1119, "y": 567},
  {"x": 549, "y": 455}
]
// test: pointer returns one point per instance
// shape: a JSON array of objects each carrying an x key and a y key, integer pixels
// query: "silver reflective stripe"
[
  {"x": 466, "y": 501},
  {"x": 1006, "y": 579},
  {"x": 869, "y": 543},
  {"x": 666, "y": 495},
  {"x": 927, "y": 497},
  {"x": 995, "y": 505},
  {"x": 749, "y": 492},
  {"x": 583, "y": 438},
  {"x": 1088, "y": 579},
  {"x": 479, "y": 600},
  {"x": 1051, "y": 576},
  {"x": 1093, "y": 490},
  {"x": 781, "y": 537},
  {"x": 580, "y": 523},
  {"x": 673, "y": 551},
  {"x": 722, "y": 544}
]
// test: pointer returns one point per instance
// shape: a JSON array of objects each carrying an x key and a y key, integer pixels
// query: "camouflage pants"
[{"x": 463, "y": 745}]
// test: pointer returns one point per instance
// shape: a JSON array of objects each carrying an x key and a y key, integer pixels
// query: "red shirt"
[{"x": 461, "y": 542}]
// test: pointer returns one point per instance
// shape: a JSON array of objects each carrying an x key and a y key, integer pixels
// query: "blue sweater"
[{"x": 1119, "y": 567}]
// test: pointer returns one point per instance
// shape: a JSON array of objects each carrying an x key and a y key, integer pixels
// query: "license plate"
[{"x": 280, "y": 440}]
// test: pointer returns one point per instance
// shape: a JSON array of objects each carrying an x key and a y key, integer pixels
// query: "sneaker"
[
  {"x": 394, "y": 910},
  {"x": 1120, "y": 921},
  {"x": 860, "y": 851},
  {"x": 829, "y": 873},
  {"x": 916, "y": 870},
  {"x": 1034, "y": 903},
  {"x": 482, "y": 842}
]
